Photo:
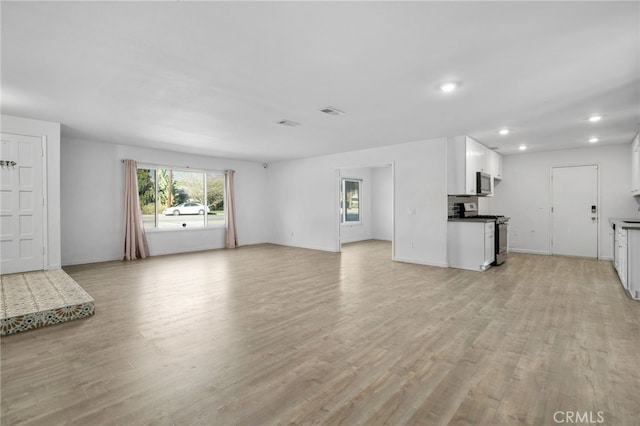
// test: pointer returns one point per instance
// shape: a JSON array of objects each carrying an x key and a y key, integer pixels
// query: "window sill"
[
  {"x": 185, "y": 229},
  {"x": 351, "y": 224}
]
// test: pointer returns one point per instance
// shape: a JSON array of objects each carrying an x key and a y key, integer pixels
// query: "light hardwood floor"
[{"x": 266, "y": 335}]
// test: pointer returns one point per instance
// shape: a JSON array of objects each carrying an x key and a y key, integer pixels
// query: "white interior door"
[
  {"x": 575, "y": 211},
  {"x": 21, "y": 204}
]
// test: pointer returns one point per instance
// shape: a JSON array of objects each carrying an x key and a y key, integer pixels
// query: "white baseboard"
[
  {"x": 90, "y": 260},
  {"x": 304, "y": 246},
  {"x": 155, "y": 253},
  {"x": 420, "y": 262},
  {"x": 517, "y": 250},
  {"x": 187, "y": 250},
  {"x": 546, "y": 253}
]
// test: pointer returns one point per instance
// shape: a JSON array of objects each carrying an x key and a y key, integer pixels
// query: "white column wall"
[{"x": 304, "y": 196}]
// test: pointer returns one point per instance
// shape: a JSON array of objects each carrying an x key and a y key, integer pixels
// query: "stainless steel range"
[
  {"x": 470, "y": 210},
  {"x": 502, "y": 228}
]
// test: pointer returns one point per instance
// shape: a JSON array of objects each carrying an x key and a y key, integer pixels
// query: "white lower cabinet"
[
  {"x": 622, "y": 257},
  {"x": 626, "y": 258},
  {"x": 632, "y": 263},
  {"x": 471, "y": 244}
]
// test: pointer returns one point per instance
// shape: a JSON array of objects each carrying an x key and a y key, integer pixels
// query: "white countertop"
[{"x": 624, "y": 223}]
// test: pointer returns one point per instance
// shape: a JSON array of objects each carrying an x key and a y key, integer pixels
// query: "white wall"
[
  {"x": 305, "y": 199},
  {"x": 51, "y": 132},
  {"x": 524, "y": 194},
  {"x": 382, "y": 203},
  {"x": 92, "y": 202},
  {"x": 296, "y": 202}
]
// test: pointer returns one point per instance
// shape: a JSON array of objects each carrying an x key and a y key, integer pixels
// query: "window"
[
  {"x": 175, "y": 199},
  {"x": 350, "y": 201}
]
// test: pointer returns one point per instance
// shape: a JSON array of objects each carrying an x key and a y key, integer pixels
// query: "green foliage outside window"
[{"x": 160, "y": 190}]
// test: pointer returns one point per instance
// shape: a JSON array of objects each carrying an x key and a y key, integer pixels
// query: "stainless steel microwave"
[{"x": 483, "y": 183}]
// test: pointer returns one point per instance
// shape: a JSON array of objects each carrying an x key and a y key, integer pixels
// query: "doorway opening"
[{"x": 365, "y": 204}]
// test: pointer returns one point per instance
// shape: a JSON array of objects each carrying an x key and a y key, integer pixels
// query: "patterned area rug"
[{"x": 37, "y": 299}]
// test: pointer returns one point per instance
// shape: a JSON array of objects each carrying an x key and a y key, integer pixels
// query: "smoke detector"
[{"x": 332, "y": 111}]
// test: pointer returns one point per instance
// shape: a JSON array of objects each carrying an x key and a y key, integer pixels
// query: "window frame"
[
  {"x": 155, "y": 167},
  {"x": 343, "y": 200}
]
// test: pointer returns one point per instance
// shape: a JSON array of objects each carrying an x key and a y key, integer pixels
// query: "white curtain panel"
[
  {"x": 135, "y": 240},
  {"x": 232, "y": 239}
]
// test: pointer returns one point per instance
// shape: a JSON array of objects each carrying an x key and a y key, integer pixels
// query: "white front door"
[
  {"x": 21, "y": 204},
  {"x": 575, "y": 210}
]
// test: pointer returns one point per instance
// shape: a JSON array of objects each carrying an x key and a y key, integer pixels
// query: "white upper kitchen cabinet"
[
  {"x": 460, "y": 167},
  {"x": 479, "y": 159},
  {"x": 635, "y": 166},
  {"x": 495, "y": 164},
  {"x": 466, "y": 157}
]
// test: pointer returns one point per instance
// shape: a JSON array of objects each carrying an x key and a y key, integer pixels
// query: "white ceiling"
[{"x": 216, "y": 77}]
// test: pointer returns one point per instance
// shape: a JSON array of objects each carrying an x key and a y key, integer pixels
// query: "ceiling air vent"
[
  {"x": 332, "y": 111},
  {"x": 288, "y": 123}
]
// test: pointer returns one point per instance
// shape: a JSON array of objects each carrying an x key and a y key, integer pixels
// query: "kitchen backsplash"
[{"x": 453, "y": 201}]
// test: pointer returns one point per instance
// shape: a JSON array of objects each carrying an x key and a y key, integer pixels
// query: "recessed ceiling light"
[
  {"x": 594, "y": 140},
  {"x": 595, "y": 118},
  {"x": 449, "y": 86},
  {"x": 504, "y": 132},
  {"x": 522, "y": 147}
]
